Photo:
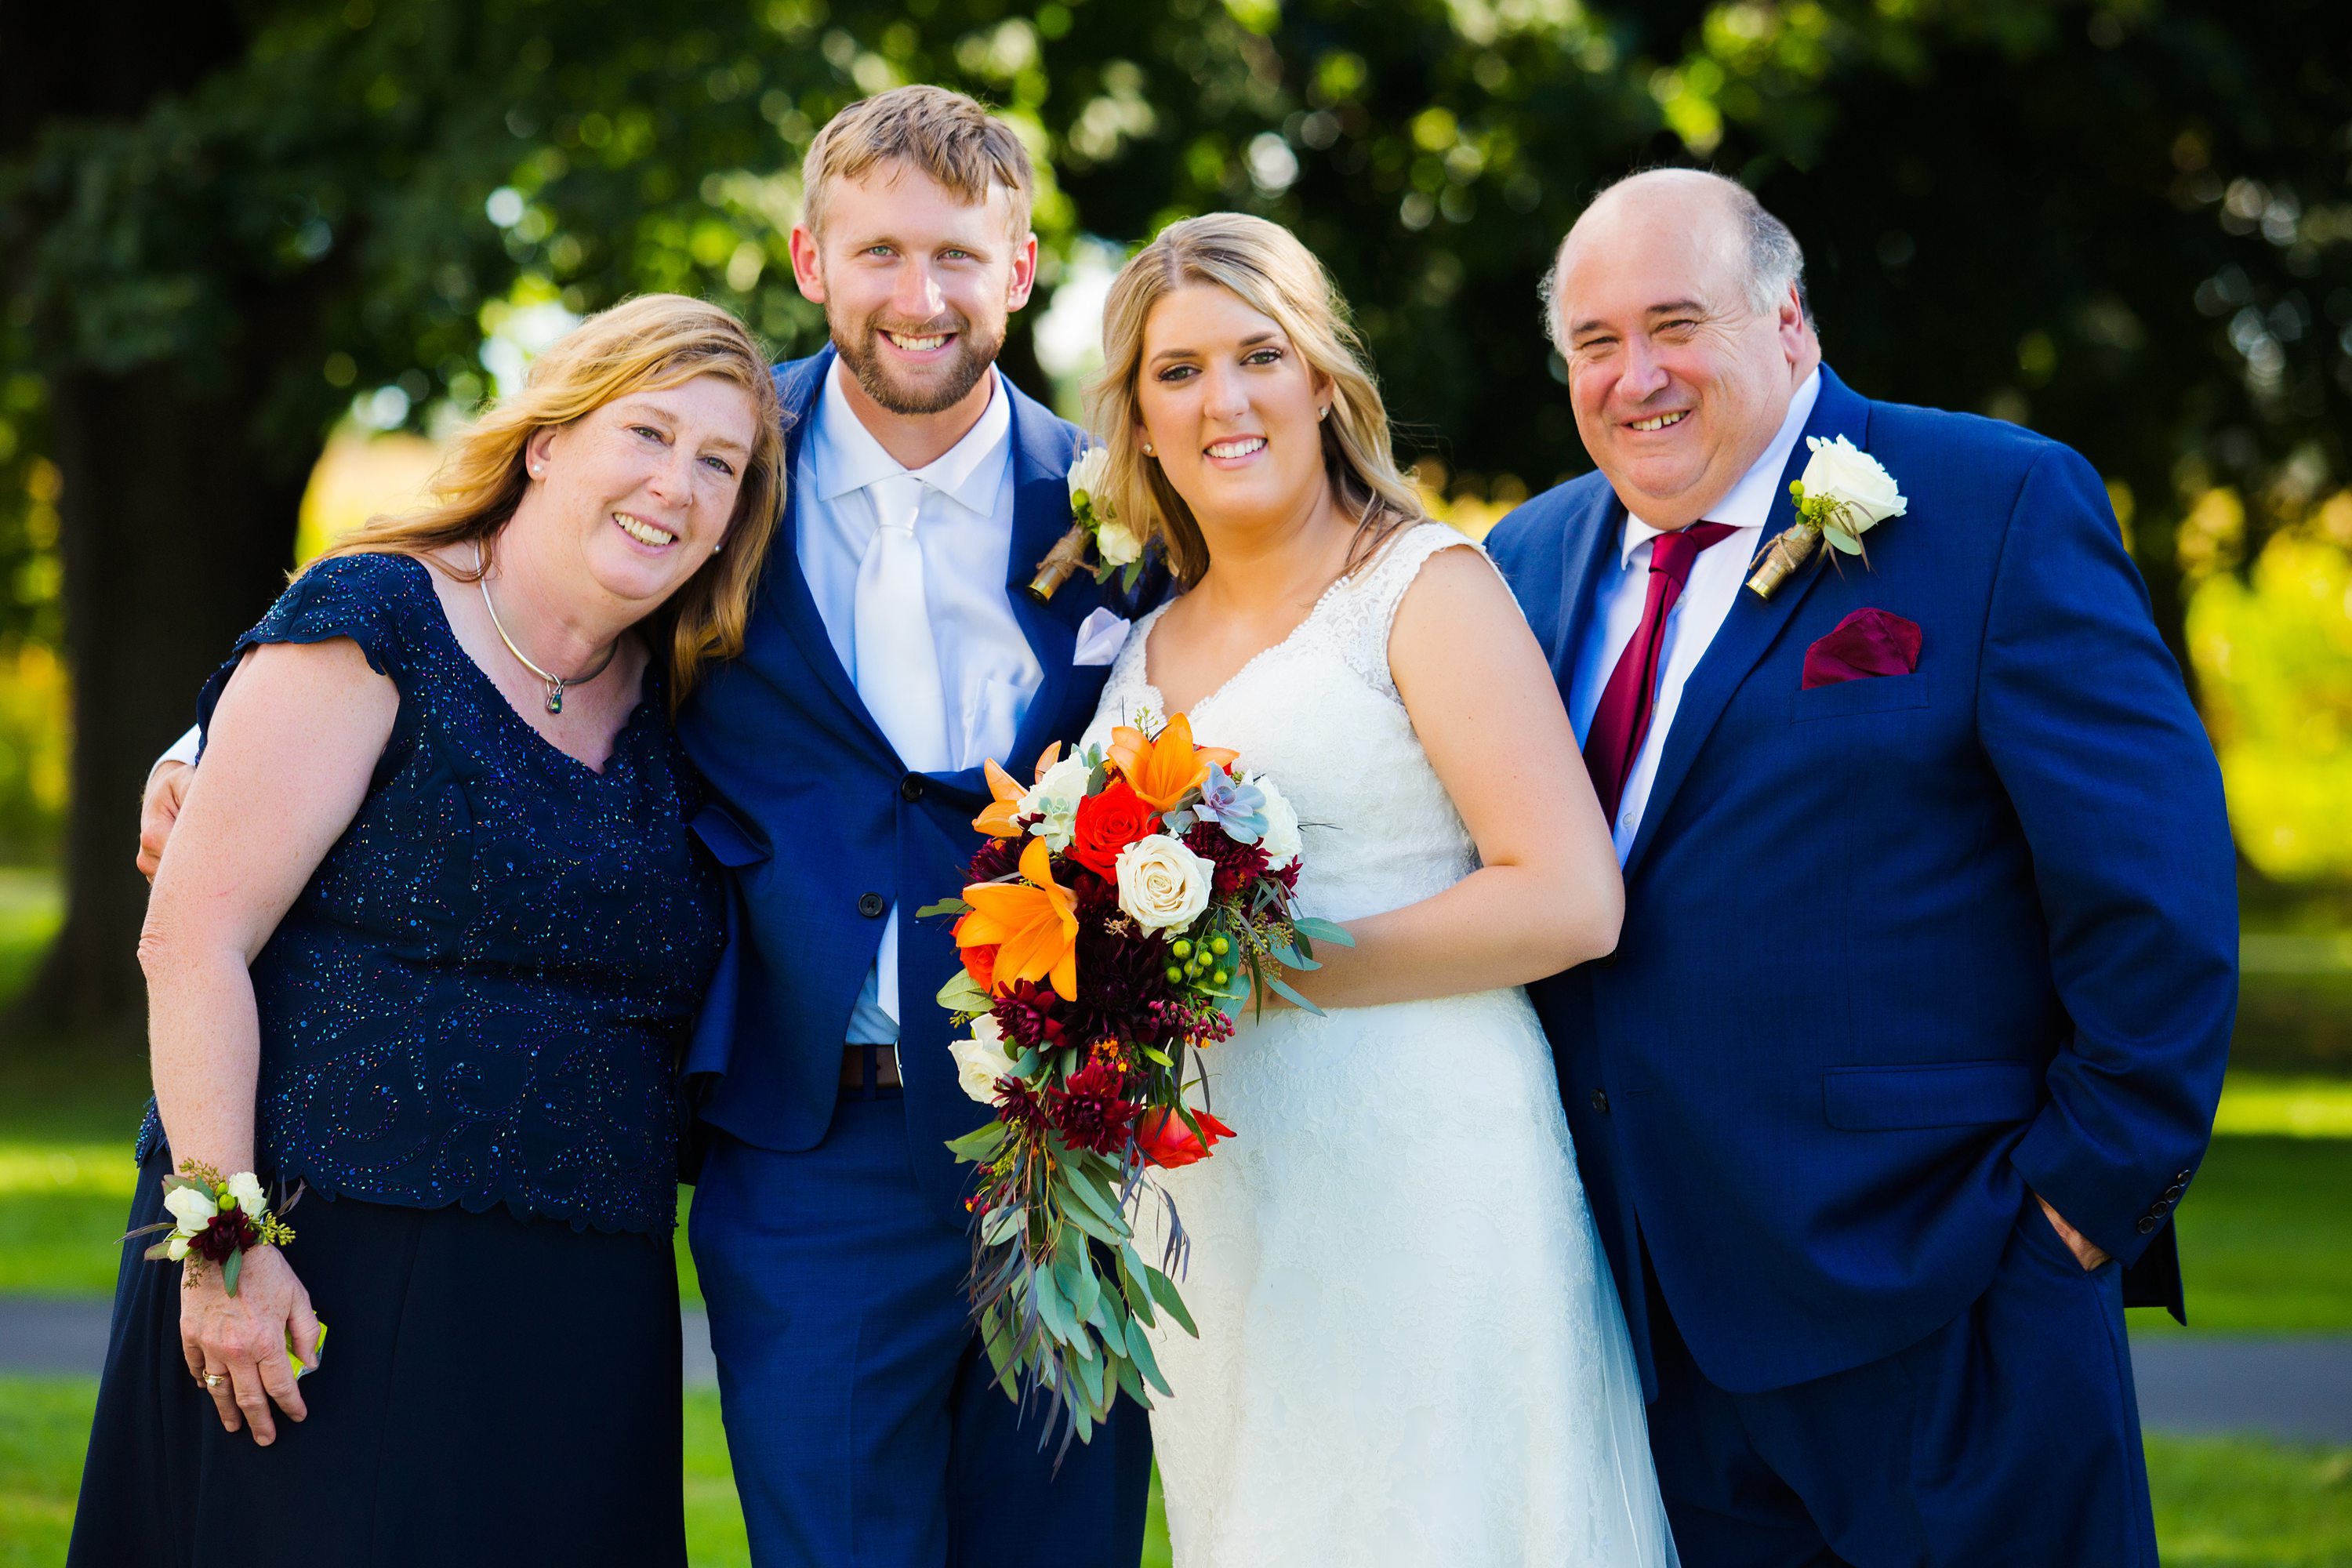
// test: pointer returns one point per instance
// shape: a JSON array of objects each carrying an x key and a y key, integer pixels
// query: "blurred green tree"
[{"x": 2125, "y": 221}]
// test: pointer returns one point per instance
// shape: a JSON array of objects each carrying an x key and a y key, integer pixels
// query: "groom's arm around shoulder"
[{"x": 2086, "y": 721}]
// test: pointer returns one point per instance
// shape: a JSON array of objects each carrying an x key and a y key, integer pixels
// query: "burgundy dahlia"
[
  {"x": 1092, "y": 1111},
  {"x": 1238, "y": 865},
  {"x": 229, "y": 1232},
  {"x": 1031, "y": 1015},
  {"x": 998, "y": 858}
]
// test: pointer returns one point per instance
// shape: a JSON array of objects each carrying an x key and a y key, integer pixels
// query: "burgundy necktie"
[{"x": 1622, "y": 720}]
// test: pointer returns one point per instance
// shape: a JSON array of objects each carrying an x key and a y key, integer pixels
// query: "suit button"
[
  {"x": 2182, "y": 1176},
  {"x": 2147, "y": 1223},
  {"x": 911, "y": 787},
  {"x": 871, "y": 905},
  {"x": 1601, "y": 1100},
  {"x": 2172, "y": 1193}
]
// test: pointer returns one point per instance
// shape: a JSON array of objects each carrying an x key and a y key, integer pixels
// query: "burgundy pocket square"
[{"x": 1865, "y": 644}]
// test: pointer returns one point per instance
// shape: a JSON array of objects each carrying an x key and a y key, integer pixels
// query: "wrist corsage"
[
  {"x": 215, "y": 1221},
  {"x": 1093, "y": 521}
]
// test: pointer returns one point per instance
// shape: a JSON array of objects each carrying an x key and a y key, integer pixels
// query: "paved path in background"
[{"x": 2299, "y": 1390}]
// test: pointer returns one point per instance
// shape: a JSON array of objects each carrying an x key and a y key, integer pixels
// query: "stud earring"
[
  {"x": 1148, "y": 451},
  {"x": 1324, "y": 412}
]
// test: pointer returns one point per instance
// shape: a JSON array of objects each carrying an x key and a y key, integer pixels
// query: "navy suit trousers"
[
  {"x": 860, "y": 1411},
  {"x": 2009, "y": 1436}
]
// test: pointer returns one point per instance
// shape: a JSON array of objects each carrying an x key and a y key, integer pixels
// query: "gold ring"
[{"x": 214, "y": 1380}]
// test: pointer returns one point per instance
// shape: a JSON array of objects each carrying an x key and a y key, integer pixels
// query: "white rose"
[
  {"x": 246, "y": 1188},
  {"x": 1840, "y": 471},
  {"x": 1087, "y": 476},
  {"x": 982, "y": 1060},
  {"x": 1161, "y": 884},
  {"x": 176, "y": 1249},
  {"x": 1054, "y": 799},
  {"x": 189, "y": 1207},
  {"x": 1281, "y": 838},
  {"x": 1117, "y": 543}
]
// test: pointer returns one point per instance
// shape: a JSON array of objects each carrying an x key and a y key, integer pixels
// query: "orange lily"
[
  {"x": 1161, "y": 771},
  {"x": 1034, "y": 925},
  {"x": 995, "y": 818}
]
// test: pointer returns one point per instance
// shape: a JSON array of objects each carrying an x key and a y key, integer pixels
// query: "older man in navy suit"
[{"x": 1913, "y": 1037}]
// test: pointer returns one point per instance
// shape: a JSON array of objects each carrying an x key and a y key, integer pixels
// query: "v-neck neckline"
[
  {"x": 498, "y": 699},
  {"x": 1314, "y": 613}
]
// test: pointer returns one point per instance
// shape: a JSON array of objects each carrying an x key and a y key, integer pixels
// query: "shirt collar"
[
  {"x": 1748, "y": 503},
  {"x": 844, "y": 456}
]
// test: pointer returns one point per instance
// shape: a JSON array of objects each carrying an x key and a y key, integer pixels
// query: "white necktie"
[
  {"x": 897, "y": 661},
  {"x": 899, "y": 665}
]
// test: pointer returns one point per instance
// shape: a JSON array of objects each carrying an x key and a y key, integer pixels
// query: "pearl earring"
[
  {"x": 1148, "y": 451},
  {"x": 1324, "y": 412}
]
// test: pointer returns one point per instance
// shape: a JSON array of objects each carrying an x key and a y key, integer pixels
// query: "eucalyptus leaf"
[
  {"x": 979, "y": 1144},
  {"x": 1315, "y": 929},
  {"x": 1139, "y": 1296},
  {"x": 1163, "y": 1290},
  {"x": 944, "y": 906},
  {"x": 1002, "y": 1224},
  {"x": 1051, "y": 1307},
  {"x": 962, "y": 994},
  {"x": 1090, "y": 1374},
  {"x": 1130, "y": 1384},
  {"x": 1289, "y": 994},
  {"x": 230, "y": 1271},
  {"x": 1140, "y": 1349}
]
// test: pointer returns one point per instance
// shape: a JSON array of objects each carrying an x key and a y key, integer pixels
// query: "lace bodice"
[{"x": 1324, "y": 694}]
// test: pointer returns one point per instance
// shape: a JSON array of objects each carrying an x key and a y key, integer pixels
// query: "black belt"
[{"x": 870, "y": 1072}]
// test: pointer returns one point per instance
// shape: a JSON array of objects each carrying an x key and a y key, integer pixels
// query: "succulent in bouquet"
[{"x": 1128, "y": 904}]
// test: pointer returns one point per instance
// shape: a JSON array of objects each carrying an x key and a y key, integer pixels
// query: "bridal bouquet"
[{"x": 1127, "y": 905}]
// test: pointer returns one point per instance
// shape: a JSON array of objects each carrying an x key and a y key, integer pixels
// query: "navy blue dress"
[{"x": 470, "y": 1020}]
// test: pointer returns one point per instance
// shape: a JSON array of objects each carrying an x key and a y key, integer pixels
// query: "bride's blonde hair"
[{"x": 1264, "y": 266}]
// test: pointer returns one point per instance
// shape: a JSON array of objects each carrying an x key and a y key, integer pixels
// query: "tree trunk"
[{"x": 176, "y": 532}]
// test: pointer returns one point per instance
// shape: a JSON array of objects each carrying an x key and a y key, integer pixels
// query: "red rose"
[
  {"x": 1168, "y": 1142},
  {"x": 980, "y": 962},
  {"x": 1107, "y": 823}
]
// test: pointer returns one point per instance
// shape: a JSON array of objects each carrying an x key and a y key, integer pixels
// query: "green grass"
[
  {"x": 2266, "y": 1238},
  {"x": 2220, "y": 1502}
]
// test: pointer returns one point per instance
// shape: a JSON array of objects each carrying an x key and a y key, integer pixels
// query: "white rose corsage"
[
  {"x": 1842, "y": 495},
  {"x": 1093, "y": 521},
  {"x": 214, "y": 1220}
]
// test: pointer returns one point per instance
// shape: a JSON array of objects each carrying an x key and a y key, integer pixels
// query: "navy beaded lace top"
[{"x": 480, "y": 997}]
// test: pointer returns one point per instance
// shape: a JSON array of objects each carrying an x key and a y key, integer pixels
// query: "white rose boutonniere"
[
  {"x": 1843, "y": 493},
  {"x": 1117, "y": 544}
]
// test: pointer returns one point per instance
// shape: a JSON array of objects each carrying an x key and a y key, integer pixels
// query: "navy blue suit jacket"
[
  {"x": 823, "y": 827},
  {"x": 1896, "y": 949}
]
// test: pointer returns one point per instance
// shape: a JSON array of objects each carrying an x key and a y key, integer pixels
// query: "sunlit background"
[{"x": 254, "y": 271}]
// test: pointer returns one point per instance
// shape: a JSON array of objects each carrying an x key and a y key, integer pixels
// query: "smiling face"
[
  {"x": 1230, "y": 408},
  {"x": 1678, "y": 381},
  {"x": 916, "y": 284},
  {"x": 641, "y": 489}
]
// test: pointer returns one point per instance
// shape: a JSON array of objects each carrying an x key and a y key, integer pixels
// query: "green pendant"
[{"x": 555, "y": 698}]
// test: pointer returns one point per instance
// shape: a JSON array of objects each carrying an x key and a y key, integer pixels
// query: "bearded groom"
[{"x": 1913, "y": 1037}]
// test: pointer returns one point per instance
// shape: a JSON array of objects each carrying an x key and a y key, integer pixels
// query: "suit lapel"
[
  {"x": 1586, "y": 545},
  {"x": 1041, "y": 515},
  {"x": 799, "y": 387},
  {"x": 1753, "y": 624}
]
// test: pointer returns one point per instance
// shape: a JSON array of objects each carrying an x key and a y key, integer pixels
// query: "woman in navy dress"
[{"x": 426, "y": 945}]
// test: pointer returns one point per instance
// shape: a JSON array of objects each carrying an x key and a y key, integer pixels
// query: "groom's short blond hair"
[{"x": 946, "y": 135}]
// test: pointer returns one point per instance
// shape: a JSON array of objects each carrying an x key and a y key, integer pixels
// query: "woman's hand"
[{"x": 241, "y": 1340}]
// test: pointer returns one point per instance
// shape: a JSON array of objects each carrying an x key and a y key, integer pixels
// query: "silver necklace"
[{"x": 554, "y": 683}]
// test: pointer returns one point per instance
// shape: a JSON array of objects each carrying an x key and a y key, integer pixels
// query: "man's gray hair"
[{"x": 1773, "y": 260}]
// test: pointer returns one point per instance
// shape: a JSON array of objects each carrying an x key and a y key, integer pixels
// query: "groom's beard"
[{"x": 947, "y": 383}]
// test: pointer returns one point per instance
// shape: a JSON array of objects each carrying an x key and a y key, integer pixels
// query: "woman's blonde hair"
[
  {"x": 1266, "y": 266},
  {"x": 646, "y": 344}
]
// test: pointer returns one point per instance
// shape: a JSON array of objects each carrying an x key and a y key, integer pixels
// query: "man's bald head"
[
  {"x": 1677, "y": 304},
  {"x": 1757, "y": 247}
]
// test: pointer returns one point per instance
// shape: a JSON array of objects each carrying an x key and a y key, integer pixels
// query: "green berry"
[
  {"x": 1175, "y": 975},
  {"x": 1180, "y": 948},
  {"x": 1224, "y": 977},
  {"x": 1220, "y": 946}
]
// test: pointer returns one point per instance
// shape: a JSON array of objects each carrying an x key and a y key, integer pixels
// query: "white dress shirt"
[
  {"x": 1715, "y": 583},
  {"x": 987, "y": 673}
]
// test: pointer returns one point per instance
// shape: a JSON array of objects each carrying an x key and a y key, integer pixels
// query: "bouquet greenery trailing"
[{"x": 1127, "y": 905}]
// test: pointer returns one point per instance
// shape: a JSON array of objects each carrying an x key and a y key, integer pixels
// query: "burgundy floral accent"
[
  {"x": 229, "y": 1232},
  {"x": 1092, "y": 1111},
  {"x": 998, "y": 858},
  {"x": 1021, "y": 1108},
  {"x": 1238, "y": 865},
  {"x": 1029, "y": 1012}
]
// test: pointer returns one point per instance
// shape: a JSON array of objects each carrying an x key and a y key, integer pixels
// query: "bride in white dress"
[{"x": 1411, "y": 1350}]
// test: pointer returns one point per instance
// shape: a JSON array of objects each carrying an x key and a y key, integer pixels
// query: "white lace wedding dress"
[{"x": 1410, "y": 1349}]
